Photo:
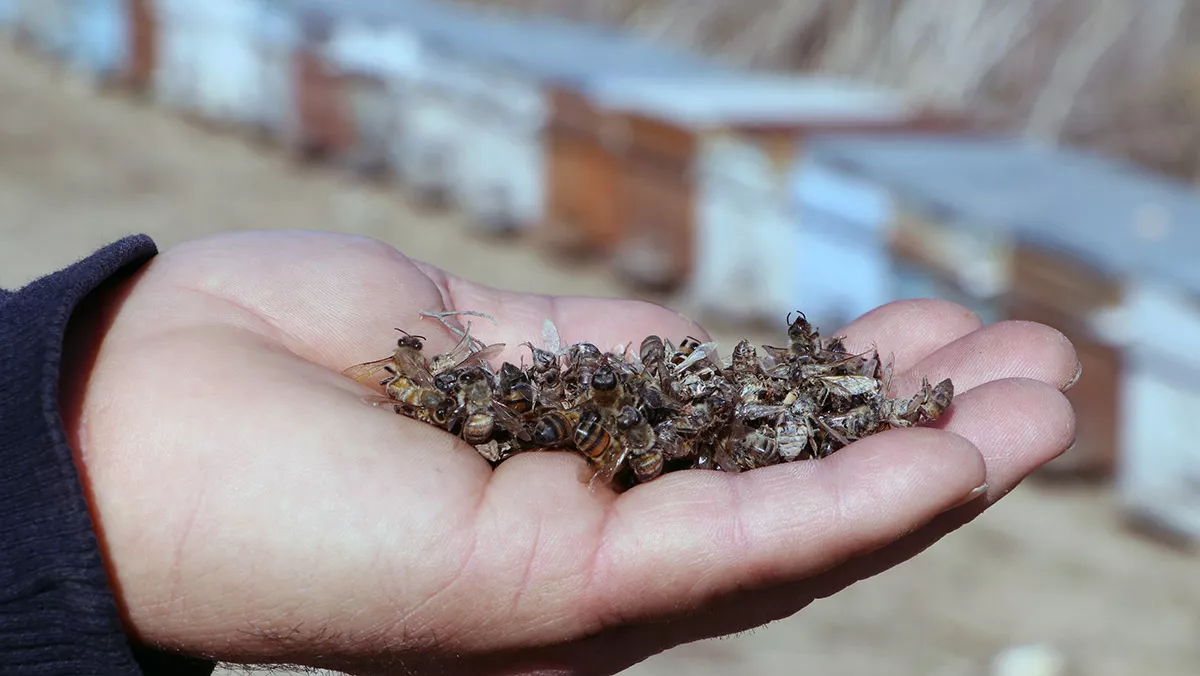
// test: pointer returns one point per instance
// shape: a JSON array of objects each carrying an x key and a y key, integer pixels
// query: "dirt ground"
[{"x": 1050, "y": 564}]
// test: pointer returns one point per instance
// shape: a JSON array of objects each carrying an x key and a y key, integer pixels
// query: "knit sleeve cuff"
[{"x": 58, "y": 614}]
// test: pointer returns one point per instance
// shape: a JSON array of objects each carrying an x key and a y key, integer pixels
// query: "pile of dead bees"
[{"x": 637, "y": 414}]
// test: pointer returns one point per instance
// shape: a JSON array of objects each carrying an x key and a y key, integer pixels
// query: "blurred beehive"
[
  {"x": 1117, "y": 76},
  {"x": 754, "y": 193},
  {"x": 1060, "y": 237},
  {"x": 693, "y": 143}
]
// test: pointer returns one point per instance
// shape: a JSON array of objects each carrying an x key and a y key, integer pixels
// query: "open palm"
[{"x": 253, "y": 509}]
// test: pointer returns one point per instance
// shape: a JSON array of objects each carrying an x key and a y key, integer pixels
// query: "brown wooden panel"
[
  {"x": 1095, "y": 397},
  {"x": 657, "y": 244},
  {"x": 325, "y": 126},
  {"x": 650, "y": 136},
  {"x": 570, "y": 110},
  {"x": 583, "y": 214},
  {"x": 1062, "y": 282},
  {"x": 139, "y": 70}
]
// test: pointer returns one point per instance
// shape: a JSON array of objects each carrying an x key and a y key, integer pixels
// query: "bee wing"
[
  {"x": 833, "y": 433},
  {"x": 361, "y": 372},
  {"x": 699, "y": 354},
  {"x": 886, "y": 372},
  {"x": 379, "y": 400},
  {"x": 415, "y": 367},
  {"x": 480, "y": 356},
  {"x": 505, "y": 417},
  {"x": 550, "y": 336},
  {"x": 779, "y": 354},
  {"x": 608, "y": 471},
  {"x": 761, "y": 411},
  {"x": 454, "y": 356},
  {"x": 849, "y": 386},
  {"x": 723, "y": 457}
]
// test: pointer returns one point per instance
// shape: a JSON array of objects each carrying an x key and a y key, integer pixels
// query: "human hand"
[{"x": 252, "y": 509}]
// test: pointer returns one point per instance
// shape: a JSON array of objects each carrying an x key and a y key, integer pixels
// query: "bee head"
[
  {"x": 800, "y": 330},
  {"x": 605, "y": 378},
  {"x": 628, "y": 417},
  {"x": 410, "y": 341},
  {"x": 441, "y": 414}
]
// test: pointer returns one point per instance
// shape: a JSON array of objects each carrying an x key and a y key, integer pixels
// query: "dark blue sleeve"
[{"x": 57, "y": 612}]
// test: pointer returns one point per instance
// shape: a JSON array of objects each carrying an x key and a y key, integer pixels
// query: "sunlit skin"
[{"x": 252, "y": 508}]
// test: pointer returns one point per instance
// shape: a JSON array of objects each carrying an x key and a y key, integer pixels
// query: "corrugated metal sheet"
[
  {"x": 1113, "y": 216},
  {"x": 738, "y": 97}
]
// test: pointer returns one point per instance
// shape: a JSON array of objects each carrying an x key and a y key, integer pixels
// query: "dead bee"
[
  {"x": 516, "y": 390},
  {"x": 652, "y": 353},
  {"x": 478, "y": 414},
  {"x": 792, "y": 436},
  {"x": 556, "y": 428},
  {"x": 582, "y": 359},
  {"x": 406, "y": 360},
  {"x": 605, "y": 387},
  {"x": 634, "y": 416},
  {"x": 927, "y": 405},
  {"x": 755, "y": 448},
  {"x": 803, "y": 341},
  {"x": 640, "y": 441}
]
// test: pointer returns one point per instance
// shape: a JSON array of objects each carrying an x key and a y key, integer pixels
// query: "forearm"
[{"x": 57, "y": 611}]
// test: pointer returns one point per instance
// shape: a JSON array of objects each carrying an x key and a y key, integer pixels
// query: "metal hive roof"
[
  {"x": 1076, "y": 202},
  {"x": 548, "y": 48}
]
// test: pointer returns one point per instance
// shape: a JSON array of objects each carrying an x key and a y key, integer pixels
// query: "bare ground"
[{"x": 78, "y": 170}]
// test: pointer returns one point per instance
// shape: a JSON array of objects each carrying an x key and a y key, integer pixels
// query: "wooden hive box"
[
  {"x": 1062, "y": 290},
  {"x": 755, "y": 192},
  {"x": 276, "y": 37},
  {"x": 9, "y": 16},
  {"x": 1159, "y": 465},
  {"x": 45, "y": 25},
  {"x": 143, "y": 26},
  {"x": 178, "y": 45},
  {"x": 671, "y": 125},
  {"x": 99, "y": 45},
  {"x": 654, "y": 246},
  {"x": 996, "y": 225},
  {"x": 323, "y": 128},
  {"x": 530, "y": 73},
  {"x": 228, "y": 87},
  {"x": 585, "y": 158},
  {"x": 370, "y": 53}
]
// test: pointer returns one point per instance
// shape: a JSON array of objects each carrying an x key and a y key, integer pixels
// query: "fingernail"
[
  {"x": 979, "y": 490},
  {"x": 1074, "y": 379}
]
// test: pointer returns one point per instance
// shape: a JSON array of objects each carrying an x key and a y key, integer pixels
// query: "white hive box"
[
  {"x": 373, "y": 52},
  {"x": 9, "y": 16},
  {"x": 445, "y": 96},
  {"x": 228, "y": 88},
  {"x": 276, "y": 37},
  {"x": 502, "y": 181},
  {"x": 720, "y": 146},
  {"x": 100, "y": 43},
  {"x": 46, "y": 25},
  {"x": 1098, "y": 249},
  {"x": 1158, "y": 468},
  {"x": 178, "y": 40}
]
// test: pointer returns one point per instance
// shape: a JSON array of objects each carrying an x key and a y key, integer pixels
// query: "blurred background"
[{"x": 1031, "y": 159}]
